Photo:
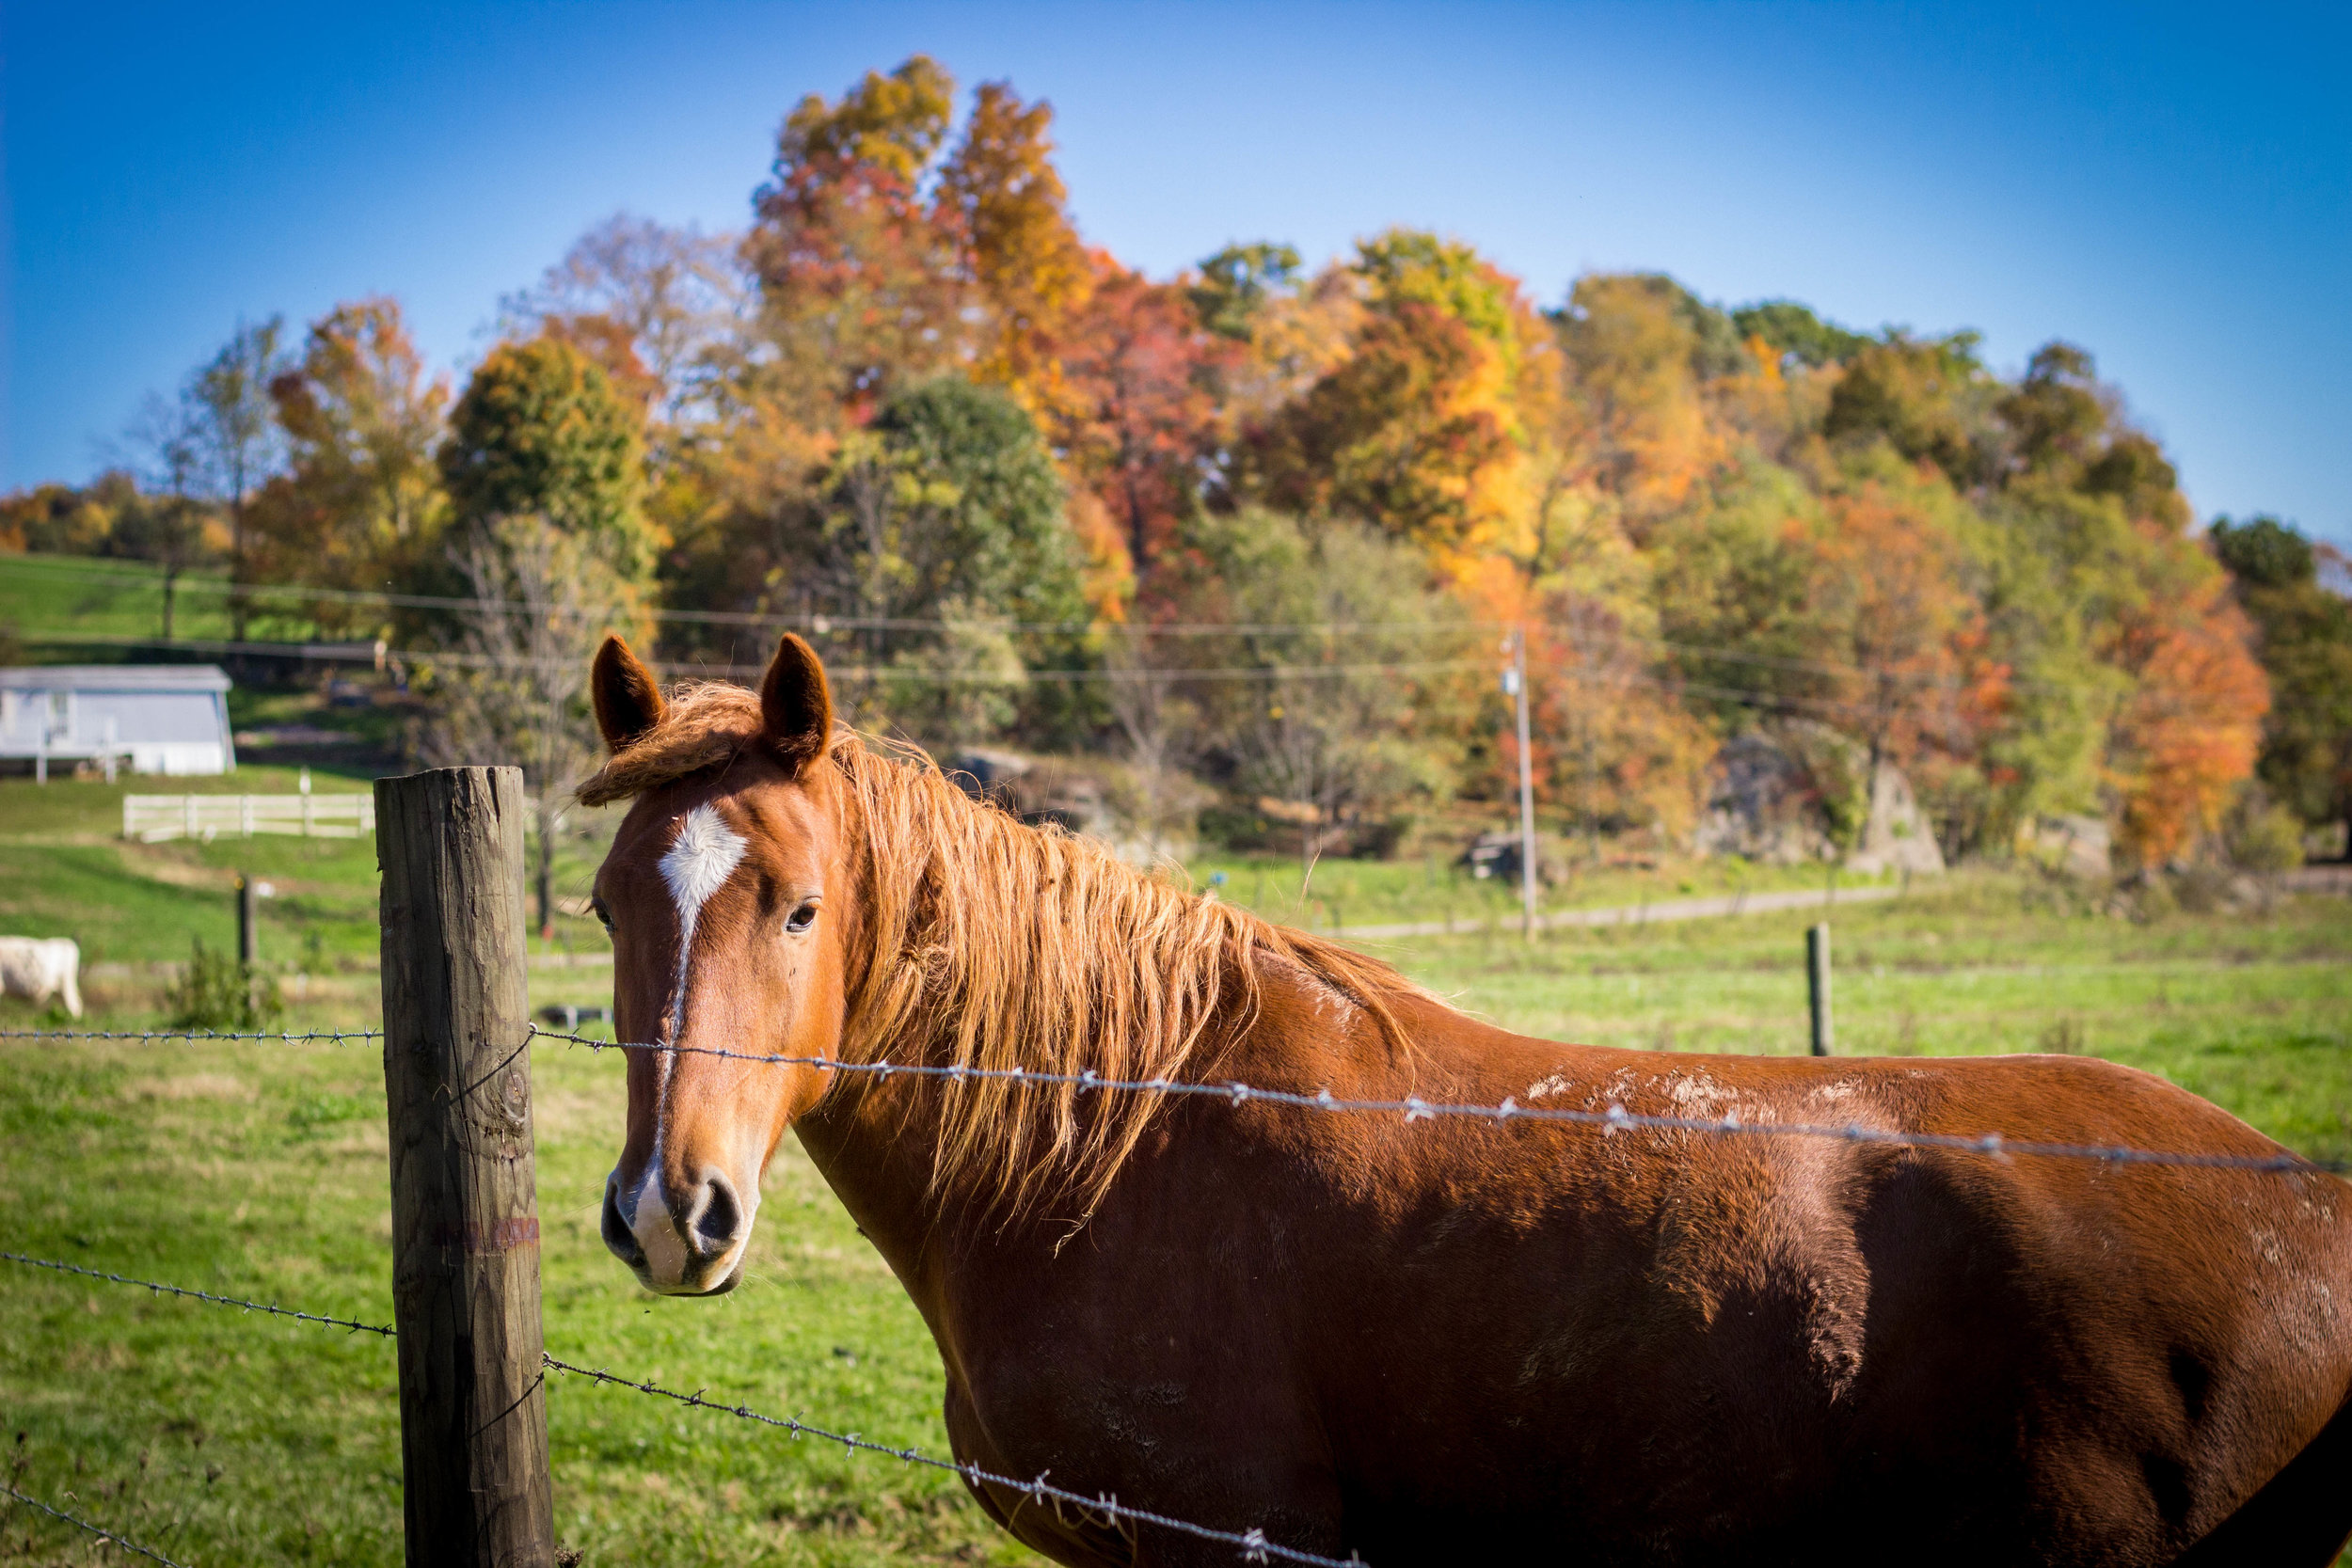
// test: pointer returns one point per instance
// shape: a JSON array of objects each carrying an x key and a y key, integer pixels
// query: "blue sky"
[{"x": 2171, "y": 189}]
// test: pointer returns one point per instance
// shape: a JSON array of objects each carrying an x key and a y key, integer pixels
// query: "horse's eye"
[
  {"x": 801, "y": 918},
  {"x": 604, "y": 915}
]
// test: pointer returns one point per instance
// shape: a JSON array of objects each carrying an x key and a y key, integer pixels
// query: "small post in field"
[
  {"x": 1816, "y": 985},
  {"x": 473, "y": 1424},
  {"x": 248, "y": 922}
]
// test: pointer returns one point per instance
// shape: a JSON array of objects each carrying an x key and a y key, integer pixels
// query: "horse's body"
[{"x": 1447, "y": 1341}]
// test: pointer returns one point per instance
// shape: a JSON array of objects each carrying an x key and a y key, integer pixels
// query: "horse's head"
[{"x": 726, "y": 897}]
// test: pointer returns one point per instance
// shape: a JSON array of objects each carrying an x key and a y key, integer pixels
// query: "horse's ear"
[
  {"x": 628, "y": 701},
  {"x": 795, "y": 704}
]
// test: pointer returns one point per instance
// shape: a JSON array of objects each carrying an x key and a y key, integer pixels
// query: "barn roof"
[{"x": 114, "y": 677}]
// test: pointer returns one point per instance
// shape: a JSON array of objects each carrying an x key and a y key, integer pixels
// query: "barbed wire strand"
[
  {"x": 1413, "y": 1108},
  {"x": 340, "y": 1037},
  {"x": 98, "y": 1530},
  {"x": 352, "y": 1325},
  {"x": 1253, "y": 1542},
  {"x": 1613, "y": 1117}
]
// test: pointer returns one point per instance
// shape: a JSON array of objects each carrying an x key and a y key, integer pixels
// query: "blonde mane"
[{"x": 984, "y": 942}]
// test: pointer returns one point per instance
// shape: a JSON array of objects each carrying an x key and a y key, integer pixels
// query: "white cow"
[{"x": 38, "y": 968}]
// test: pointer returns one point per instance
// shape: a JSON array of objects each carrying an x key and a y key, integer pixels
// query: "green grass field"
[
  {"x": 103, "y": 597},
  {"x": 260, "y": 1171}
]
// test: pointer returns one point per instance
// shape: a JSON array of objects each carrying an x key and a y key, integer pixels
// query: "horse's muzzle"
[{"x": 688, "y": 1241}]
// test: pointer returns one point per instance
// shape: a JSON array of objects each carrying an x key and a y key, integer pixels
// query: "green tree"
[
  {"x": 1235, "y": 283},
  {"x": 1928, "y": 398},
  {"x": 542, "y": 431},
  {"x": 2306, "y": 632},
  {"x": 1797, "y": 333},
  {"x": 1347, "y": 745},
  {"x": 946, "y": 507}
]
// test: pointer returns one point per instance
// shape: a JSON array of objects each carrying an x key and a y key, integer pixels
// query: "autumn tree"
[
  {"x": 1001, "y": 195},
  {"x": 646, "y": 301},
  {"x": 2306, "y": 636},
  {"x": 228, "y": 416},
  {"x": 1386, "y": 439},
  {"x": 360, "y": 505},
  {"x": 2099, "y": 500},
  {"x": 861, "y": 285},
  {"x": 1639, "y": 350},
  {"x": 1138, "y": 414}
]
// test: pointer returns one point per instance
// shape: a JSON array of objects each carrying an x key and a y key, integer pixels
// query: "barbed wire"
[
  {"x": 98, "y": 1530},
  {"x": 1253, "y": 1542},
  {"x": 197, "y": 1295},
  {"x": 1413, "y": 1108},
  {"x": 1615, "y": 1118},
  {"x": 149, "y": 1036}
]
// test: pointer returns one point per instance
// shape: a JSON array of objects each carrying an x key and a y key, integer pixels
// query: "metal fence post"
[
  {"x": 473, "y": 1429},
  {"x": 1817, "y": 985}
]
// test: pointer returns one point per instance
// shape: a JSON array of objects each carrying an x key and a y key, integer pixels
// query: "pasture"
[{"x": 258, "y": 1170}]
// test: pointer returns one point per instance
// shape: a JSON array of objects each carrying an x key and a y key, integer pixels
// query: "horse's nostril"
[
  {"x": 618, "y": 1238},
  {"x": 720, "y": 1218}
]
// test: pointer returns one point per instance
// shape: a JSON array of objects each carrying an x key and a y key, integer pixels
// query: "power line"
[{"x": 819, "y": 622}]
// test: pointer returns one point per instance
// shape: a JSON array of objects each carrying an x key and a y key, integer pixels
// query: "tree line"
[{"x": 1255, "y": 529}]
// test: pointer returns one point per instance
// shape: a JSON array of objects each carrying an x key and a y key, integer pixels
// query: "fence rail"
[{"x": 153, "y": 818}]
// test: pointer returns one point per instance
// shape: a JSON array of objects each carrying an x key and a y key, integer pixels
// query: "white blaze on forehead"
[{"x": 698, "y": 865}]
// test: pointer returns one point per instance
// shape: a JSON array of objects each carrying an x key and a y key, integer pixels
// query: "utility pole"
[{"x": 1515, "y": 685}]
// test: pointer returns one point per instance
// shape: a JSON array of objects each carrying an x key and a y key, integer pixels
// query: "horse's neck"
[{"x": 874, "y": 1148}]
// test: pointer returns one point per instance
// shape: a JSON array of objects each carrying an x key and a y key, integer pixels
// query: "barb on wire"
[
  {"x": 79, "y": 1523},
  {"x": 1250, "y": 1540},
  {"x": 340, "y": 1037},
  {"x": 196, "y": 1295},
  {"x": 1615, "y": 1118}
]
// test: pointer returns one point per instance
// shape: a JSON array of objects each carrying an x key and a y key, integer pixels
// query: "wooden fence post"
[
  {"x": 473, "y": 1424},
  {"x": 1817, "y": 985}
]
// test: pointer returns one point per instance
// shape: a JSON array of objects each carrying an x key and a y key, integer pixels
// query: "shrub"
[{"x": 219, "y": 992}]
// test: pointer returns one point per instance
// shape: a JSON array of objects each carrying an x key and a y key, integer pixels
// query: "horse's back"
[{"x": 1754, "y": 1335}]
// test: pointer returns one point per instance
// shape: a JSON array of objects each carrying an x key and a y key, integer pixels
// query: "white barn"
[{"x": 156, "y": 717}]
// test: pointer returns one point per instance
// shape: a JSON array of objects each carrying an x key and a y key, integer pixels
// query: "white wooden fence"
[{"x": 153, "y": 819}]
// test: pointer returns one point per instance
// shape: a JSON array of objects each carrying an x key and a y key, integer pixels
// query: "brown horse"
[{"x": 1429, "y": 1341}]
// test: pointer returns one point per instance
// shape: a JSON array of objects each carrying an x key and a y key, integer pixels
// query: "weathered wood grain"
[{"x": 465, "y": 1203}]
